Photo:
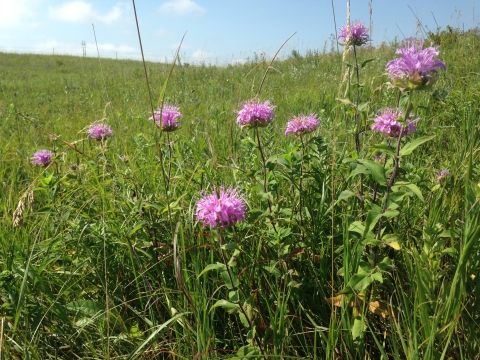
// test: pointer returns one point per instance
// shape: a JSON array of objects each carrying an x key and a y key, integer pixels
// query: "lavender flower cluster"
[
  {"x": 42, "y": 157},
  {"x": 255, "y": 114},
  {"x": 388, "y": 124},
  {"x": 166, "y": 117},
  {"x": 221, "y": 210},
  {"x": 416, "y": 69},
  {"x": 355, "y": 34},
  {"x": 99, "y": 132}
]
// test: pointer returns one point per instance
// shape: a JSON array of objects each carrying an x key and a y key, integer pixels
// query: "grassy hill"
[{"x": 102, "y": 255}]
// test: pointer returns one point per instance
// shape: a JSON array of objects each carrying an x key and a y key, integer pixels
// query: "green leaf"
[
  {"x": 246, "y": 352},
  {"x": 137, "y": 227},
  {"x": 226, "y": 278},
  {"x": 255, "y": 214},
  {"x": 345, "y": 194},
  {"x": 392, "y": 241},
  {"x": 412, "y": 187},
  {"x": 376, "y": 170},
  {"x": 359, "y": 282},
  {"x": 217, "y": 266},
  {"x": 363, "y": 106},
  {"x": 358, "y": 327},
  {"x": 371, "y": 220},
  {"x": 229, "y": 307},
  {"x": 157, "y": 331},
  {"x": 408, "y": 148},
  {"x": 233, "y": 296},
  {"x": 365, "y": 62},
  {"x": 272, "y": 269},
  {"x": 345, "y": 101},
  {"x": 357, "y": 227},
  {"x": 86, "y": 307}
]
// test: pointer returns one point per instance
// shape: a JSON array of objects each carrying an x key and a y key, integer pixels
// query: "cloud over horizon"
[
  {"x": 79, "y": 11},
  {"x": 181, "y": 7},
  {"x": 15, "y": 13}
]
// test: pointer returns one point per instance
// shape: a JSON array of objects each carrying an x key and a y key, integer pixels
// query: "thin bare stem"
[
  {"x": 271, "y": 62},
  {"x": 103, "y": 75}
]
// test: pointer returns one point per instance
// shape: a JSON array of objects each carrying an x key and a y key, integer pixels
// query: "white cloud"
[
  {"x": 201, "y": 56},
  {"x": 181, "y": 7},
  {"x": 14, "y": 13},
  {"x": 80, "y": 11}
]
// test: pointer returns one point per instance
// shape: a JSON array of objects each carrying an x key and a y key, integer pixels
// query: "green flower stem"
[
  {"x": 260, "y": 149},
  {"x": 301, "y": 185},
  {"x": 396, "y": 164},
  {"x": 234, "y": 288},
  {"x": 357, "y": 131}
]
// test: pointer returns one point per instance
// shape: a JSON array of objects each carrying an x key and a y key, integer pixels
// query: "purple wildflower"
[
  {"x": 416, "y": 68},
  {"x": 442, "y": 174},
  {"x": 355, "y": 34},
  {"x": 255, "y": 114},
  {"x": 167, "y": 117},
  {"x": 99, "y": 132},
  {"x": 378, "y": 158},
  {"x": 221, "y": 211},
  {"x": 302, "y": 124},
  {"x": 388, "y": 124},
  {"x": 42, "y": 157}
]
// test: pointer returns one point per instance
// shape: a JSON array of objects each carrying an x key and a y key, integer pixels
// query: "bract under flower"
[
  {"x": 221, "y": 210},
  {"x": 416, "y": 69}
]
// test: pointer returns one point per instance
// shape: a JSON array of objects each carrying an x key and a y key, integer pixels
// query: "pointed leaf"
[
  {"x": 229, "y": 307},
  {"x": 217, "y": 266},
  {"x": 376, "y": 170},
  {"x": 408, "y": 148}
]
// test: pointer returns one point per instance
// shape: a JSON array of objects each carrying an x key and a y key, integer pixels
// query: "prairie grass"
[{"x": 107, "y": 260}]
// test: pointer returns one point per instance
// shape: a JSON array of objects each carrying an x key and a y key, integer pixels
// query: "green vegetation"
[{"x": 107, "y": 261}]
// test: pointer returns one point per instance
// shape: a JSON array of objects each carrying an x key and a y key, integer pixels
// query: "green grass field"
[{"x": 101, "y": 255}]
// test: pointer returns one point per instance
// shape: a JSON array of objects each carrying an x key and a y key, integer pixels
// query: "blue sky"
[{"x": 218, "y": 31}]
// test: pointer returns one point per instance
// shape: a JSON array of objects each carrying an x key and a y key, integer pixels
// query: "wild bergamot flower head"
[
  {"x": 416, "y": 69},
  {"x": 442, "y": 174},
  {"x": 255, "y": 114},
  {"x": 353, "y": 34},
  {"x": 42, "y": 157},
  {"x": 166, "y": 117},
  {"x": 302, "y": 124},
  {"x": 388, "y": 123},
  {"x": 221, "y": 210},
  {"x": 99, "y": 132}
]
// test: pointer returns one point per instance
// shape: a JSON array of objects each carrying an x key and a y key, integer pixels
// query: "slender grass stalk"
[
  {"x": 1, "y": 338},
  {"x": 103, "y": 76}
]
